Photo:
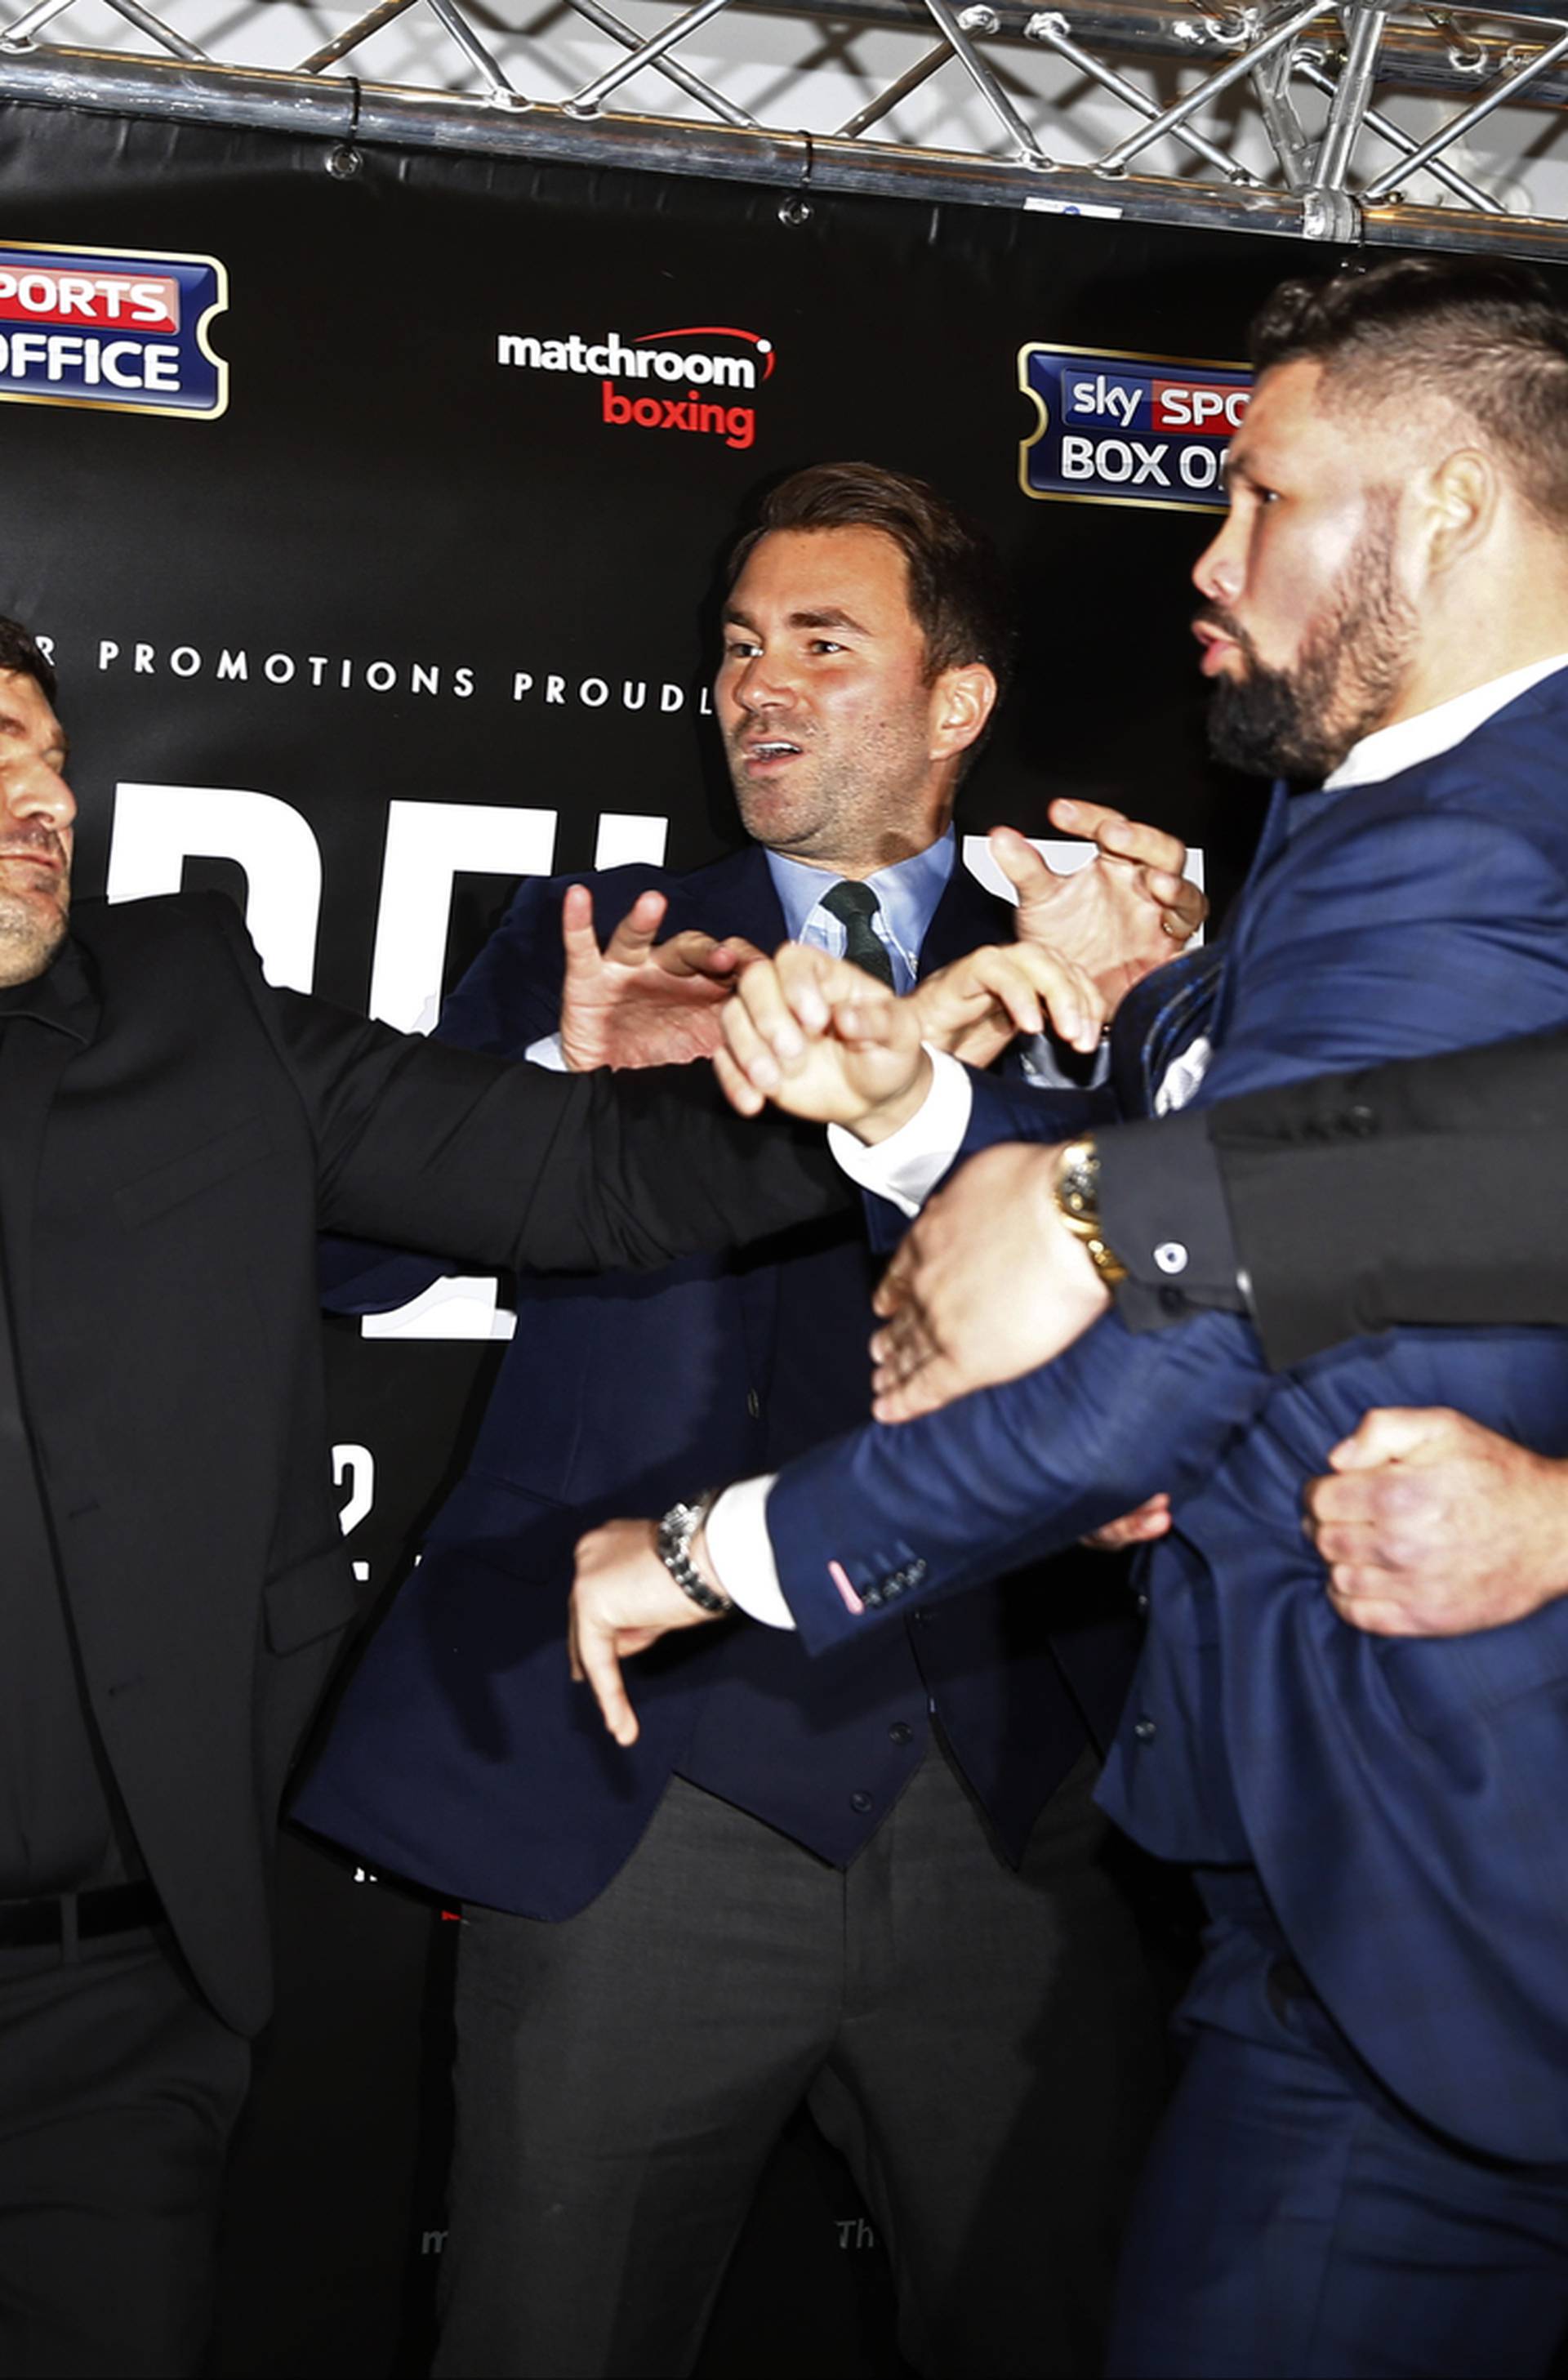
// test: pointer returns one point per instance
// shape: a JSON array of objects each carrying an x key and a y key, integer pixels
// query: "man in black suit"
[{"x": 172, "y": 1132}]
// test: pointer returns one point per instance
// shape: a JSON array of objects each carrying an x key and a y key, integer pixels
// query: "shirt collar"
[
  {"x": 908, "y": 891},
  {"x": 61, "y": 996},
  {"x": 1410, "y": 741}
]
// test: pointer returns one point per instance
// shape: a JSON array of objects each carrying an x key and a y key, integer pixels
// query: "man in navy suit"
[
  {"x": 666, "y": 1954},
  {"x": 1365, "y": 2165}
]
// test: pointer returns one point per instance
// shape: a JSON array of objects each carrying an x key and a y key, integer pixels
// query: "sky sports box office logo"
[
  {"x": 112, "y": 327},
  {"x": 1119, "y": 429}
]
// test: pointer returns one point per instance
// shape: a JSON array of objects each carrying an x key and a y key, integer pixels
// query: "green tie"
[{"x": 855, "y": 905}]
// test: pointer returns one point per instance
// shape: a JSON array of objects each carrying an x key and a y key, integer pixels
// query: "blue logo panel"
[
  {"x": 1117, "y": 429},
  {"x": 111, "y": 328}
]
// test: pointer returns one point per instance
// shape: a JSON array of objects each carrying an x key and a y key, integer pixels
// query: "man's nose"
[
  {"x": 764, "y": 684},
  {"x": 1220, "y": 570},
  {"x": 41, "y": 793}
]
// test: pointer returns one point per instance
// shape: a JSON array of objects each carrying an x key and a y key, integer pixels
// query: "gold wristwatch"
[{"x": 1076, "y": 1187}]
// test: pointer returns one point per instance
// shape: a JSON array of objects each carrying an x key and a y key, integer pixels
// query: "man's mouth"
[
  {"x": 32, "y": 855},
  {"x": 769, "y": 751},
  {"x": 1218, "y": 646}
]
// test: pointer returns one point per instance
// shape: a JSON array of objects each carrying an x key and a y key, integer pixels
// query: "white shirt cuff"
[
  {"x": 741, "y": 1552},
  {"x": 905, "y": 1168},
  {"x": 548, "y": 1053}
]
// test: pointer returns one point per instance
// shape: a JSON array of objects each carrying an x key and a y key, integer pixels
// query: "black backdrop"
[{"x": 383, "y": 497}]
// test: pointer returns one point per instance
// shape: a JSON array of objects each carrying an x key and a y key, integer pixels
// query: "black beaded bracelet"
[{"x": 676, "y": 1531}]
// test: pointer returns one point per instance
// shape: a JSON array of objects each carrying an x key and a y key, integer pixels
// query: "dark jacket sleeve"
[
  {"x": 450, "y": 1150},
  {"x": 1425, "y": 1192}
]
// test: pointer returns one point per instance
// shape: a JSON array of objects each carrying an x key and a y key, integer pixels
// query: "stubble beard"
[
  {"x": 1300, "y": 722},
  {"x": 842, "y": 817}
]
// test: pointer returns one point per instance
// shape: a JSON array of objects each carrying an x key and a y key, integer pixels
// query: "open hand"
[
  {"x": 986, "y": 1283},
  {"x": 822, "y": 1039},
  {"x": 1118, "y": 917},
  {"x": 1433, "y": 1526},
  {"x": 973, "y": 1007},
  {"x": 638, "y": 1002}
]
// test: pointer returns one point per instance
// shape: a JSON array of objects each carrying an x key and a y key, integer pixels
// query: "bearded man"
[{"x": 1365, "y": 2168}]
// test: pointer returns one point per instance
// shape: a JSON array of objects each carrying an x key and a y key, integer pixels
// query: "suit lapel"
[
  {"x": 734, "y": 895},
  {"x": 32, "y": 1059},
  {"x": 964, "y": 920}
]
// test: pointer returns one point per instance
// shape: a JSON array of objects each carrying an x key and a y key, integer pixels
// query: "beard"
[{"x": 1299, "y": 721}]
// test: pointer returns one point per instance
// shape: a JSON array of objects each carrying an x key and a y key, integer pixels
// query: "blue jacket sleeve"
[{"x": 1418, "y": 929}]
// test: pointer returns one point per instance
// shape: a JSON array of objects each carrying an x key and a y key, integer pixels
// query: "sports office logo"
[
  {"x": 112, "y": 327},
  {"x": 684, "y": 379},
  {"x": 1128, "y": 428}
]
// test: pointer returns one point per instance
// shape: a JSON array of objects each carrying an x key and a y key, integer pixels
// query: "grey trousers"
[{"x": 982, "y": 2044}]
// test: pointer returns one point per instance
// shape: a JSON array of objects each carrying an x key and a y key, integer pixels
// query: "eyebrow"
[{"x": 828, "y": 616}]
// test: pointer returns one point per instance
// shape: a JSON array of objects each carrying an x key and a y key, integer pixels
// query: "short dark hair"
[
  {"x": 21, "y": 656},
  {"x": 1483, "y": 332},
  {"x": 957, "y": 591}
]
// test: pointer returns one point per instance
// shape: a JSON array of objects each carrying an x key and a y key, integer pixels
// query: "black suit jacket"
[
  {"x": 184, "y": 1155},
  {"x": 1425, "y": 1191}
]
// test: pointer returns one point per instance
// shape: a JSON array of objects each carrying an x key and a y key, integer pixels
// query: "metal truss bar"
[
  {"x": 351, "y": 36},
  {"x": 1447, "y": 134},
  {"x": 896, "y": 92},
  {"x": 671, "y": 68},
  {"x": 1353, "y": 95},
  {"x": 1384, "y": 129},
  {"x": 305, "y": 108},
  {"x": 1414, "y": 58},
  {"x": 584, "y": 102},
  {"x": 473, "y": 49},
  {"x": 1213, "y": 87},
  {"x": 156, "y": 30},
  {"x": 1271, "y": 84},
  {"x": 22, "y": 32},
  {"x": 1026, "y": 148},
  {"x": 1047, "y": 30}
]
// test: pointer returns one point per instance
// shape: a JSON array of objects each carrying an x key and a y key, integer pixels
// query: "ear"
[
  {"x": 1458, "y": 508},
  {"x": 962, "y": 701}
]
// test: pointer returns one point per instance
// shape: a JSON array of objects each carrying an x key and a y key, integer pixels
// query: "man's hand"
[
  {"x": 988, "y": 1283},
  {"x": 973, "y": 1007},
  {"x": 623, "y": 1599},
  {"x": 1433, "y": 1526},
  {"x": 822, "y": 1039},
  {"x": 638, "y": 1002},
  {"x": 1120, "y": 917},
  {"x": 1151, "y": 1520}
]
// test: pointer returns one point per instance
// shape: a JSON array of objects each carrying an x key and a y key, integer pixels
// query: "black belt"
[{"x": 113, "y": 1909}]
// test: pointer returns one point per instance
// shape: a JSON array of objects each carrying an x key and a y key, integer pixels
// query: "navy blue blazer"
[
  {"x": 462, "y": 1757},
  {"x": 1402, "y": 1801}
]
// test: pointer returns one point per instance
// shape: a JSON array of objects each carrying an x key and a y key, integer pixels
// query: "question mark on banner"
[{"x": 359, "y": 1464}]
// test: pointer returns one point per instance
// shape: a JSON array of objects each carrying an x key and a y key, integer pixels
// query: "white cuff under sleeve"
[
  {"x": 741, "y": 1552},
  {"x": 548, "y": 1053},
  {"x": 905, "y": 1168}
]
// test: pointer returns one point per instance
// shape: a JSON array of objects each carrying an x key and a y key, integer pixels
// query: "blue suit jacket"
[
  {"x": 1402, "y": 1800},
  {"x": 462, "y": 1755}
]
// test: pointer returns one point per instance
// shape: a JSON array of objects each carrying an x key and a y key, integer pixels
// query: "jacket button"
[
  {"x": 1140, "y": 1603},
  {"x": 1144, "y": 1729},
  {"x": 901, "y": 1733},
  {"x": 1360, "y": 1120},
  {"x": 860, "y": 1803},
  {"x": 753, "y": 1404}
]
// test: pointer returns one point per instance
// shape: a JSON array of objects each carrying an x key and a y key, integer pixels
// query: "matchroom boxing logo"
[
  {"x": 1119, "y": 429},
  {"x": 112, "y": 327},
  {"x": 666, "y": 358}
]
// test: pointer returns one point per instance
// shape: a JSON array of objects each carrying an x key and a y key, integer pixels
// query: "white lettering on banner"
[
  {"x": 157, "y": 828},
  {"x": 428, "y": 844},
  {"x": 359, "y": 1464},
  {"x": 624, "y": 836}
]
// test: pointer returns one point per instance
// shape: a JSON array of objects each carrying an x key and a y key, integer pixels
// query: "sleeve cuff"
[
  {"x": 905, "y": 1168},
  {"x": 741, "y": 1552},
  {"x": 548, "y": 1053},
  {"x": 1164, "y": 1210}
]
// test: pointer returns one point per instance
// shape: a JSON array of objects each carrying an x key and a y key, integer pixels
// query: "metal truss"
[{"x": 1418, "y": 127}]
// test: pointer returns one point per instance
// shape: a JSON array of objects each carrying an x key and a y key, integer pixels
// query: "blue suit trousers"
[{"x": 1294, "y": 2223}]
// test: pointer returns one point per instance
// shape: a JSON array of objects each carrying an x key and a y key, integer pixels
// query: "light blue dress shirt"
[{"x": 908, "y": 892}]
